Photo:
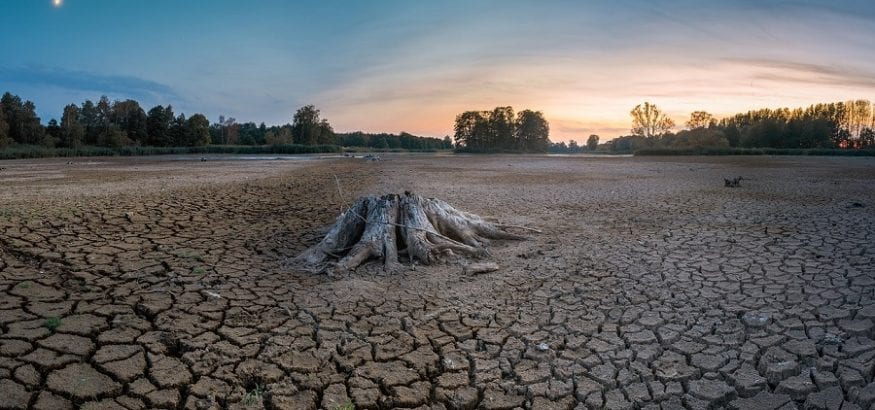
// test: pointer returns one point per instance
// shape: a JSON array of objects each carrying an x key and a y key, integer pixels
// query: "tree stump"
[{"x": 425, "y": 230}]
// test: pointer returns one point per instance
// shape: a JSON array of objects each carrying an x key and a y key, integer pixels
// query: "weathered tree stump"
[{"x": 425, "y": 230}]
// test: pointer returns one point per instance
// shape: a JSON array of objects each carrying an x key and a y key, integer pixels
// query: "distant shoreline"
[
  {"x": 836, "y": 152},
  {"x": 32, "y": 152}
]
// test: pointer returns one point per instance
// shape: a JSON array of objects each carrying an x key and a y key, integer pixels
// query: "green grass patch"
[
  {"x": 52, "y": 323},
  {"x": 254, "y": 396}
]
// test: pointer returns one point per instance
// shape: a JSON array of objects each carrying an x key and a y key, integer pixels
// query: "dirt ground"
[{"x": 165, "y": 283}]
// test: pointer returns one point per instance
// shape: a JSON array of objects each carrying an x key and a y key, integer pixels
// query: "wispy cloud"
[
  {"x": 83, "y": 81},
  {"x": 793, "y": 71}
]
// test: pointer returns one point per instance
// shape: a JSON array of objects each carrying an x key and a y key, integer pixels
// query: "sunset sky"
[{"x": 413, "y": 65}]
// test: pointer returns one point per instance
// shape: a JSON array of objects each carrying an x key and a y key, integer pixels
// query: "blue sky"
[{"x": 413, "y": 65}]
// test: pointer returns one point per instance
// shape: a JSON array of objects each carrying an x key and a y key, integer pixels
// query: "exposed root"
[{"x": 427, "y": 230}]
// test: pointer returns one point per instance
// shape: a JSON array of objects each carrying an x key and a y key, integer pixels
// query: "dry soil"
[{"x": 165, "y": 283}]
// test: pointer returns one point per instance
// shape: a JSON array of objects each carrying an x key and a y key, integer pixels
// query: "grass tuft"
[{"x": 52, "y": 323}]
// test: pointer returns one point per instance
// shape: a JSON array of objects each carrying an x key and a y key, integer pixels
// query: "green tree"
[
  {"x": 472, "y": 131},
  {"x": 307, "y": 128},
  {"x": 502, "y": 129},
  {"x": 52, "y": 134},
  {"x": 326, "y": 133},
  {"x": 592, "y": 142},
  {"x": 196, "y": 131},
  {"x": 532, "y": 131},
  {"x": 5, "y": 139},
  {"x": 88, "y": 119},
  {"x": 158, "y": 123},
  {"x": 24, "y": 125},
  {"x": 113, "y": 137},
  {"x": 649, "y": 121},
  {"x": 281, "y": 137},
  {"x": 104, "y": 113},
  {"x": 131, "y": 119},
  {"x": 72, "y": 131},
  {"x": 176, "y": 132}
]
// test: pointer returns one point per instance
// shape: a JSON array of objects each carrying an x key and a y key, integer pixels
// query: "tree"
[
  {"x": 307, "y": 129},
  {"x": 176, "y": 132},
  {"x": 700, "y": 119},
  {"x": 281, "y": 137},
  {"x": 131, "y": 119},
  {"x": 158, "y": 123},
  {"x": 5, "y": 139},
  {"x": 649, "y": 121},
  {"x": 72, "y": 131},
  {"x": 326, "y": 133},
  {"x": 472, "y": 130},
  {"x": 24, "y": 125},
  {"x": 196, "y": 131},
  {"x": 532, "y": 131},
  {"x": 867, "y": 138},
  {"x": 592, "y": 142},
  {"x": 52, "y": 134},
  {"x": 447, "y": 142},
  {"x": 88, "y": 119},
  {"x": 502, "y": 128},
  {"x": 229, "y": 130},
  {"x": 104, "y": 113},
  {"x": 858, "y": 115},
  {"x": 112, "y": 136}
]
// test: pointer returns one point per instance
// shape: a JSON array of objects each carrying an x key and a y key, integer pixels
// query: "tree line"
[
  {"x": 117, "y": 124},
  {"x": 847, "y": 125},
  {"x": 501, "y": 130}
]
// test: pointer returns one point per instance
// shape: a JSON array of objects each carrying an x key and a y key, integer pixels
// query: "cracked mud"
[{"x": 149, "y": 283}]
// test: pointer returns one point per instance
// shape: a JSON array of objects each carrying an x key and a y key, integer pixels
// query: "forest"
[
  {"x": 118, "y": 124},
  {"x": 848, "y": 125},
  {"x": 500, "y": 131},
  {"x": 125, "y": 124}
]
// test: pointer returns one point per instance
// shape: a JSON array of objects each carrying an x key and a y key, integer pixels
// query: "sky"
[{"x": 393, "y": 65}]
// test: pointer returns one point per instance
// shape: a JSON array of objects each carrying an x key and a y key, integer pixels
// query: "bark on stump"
[{"x": 425, "y": 230}]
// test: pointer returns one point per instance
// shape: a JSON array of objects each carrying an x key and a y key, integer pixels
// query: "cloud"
[
  {"x": 83, "y": 81},
  {"x": 791, "y": 71}
]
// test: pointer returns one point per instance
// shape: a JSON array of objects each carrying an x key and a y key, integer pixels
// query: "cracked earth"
[{"x": 137, "y": 283}]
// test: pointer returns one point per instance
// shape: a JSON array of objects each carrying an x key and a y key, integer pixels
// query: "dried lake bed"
[{"x": 165, "y": 282}]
